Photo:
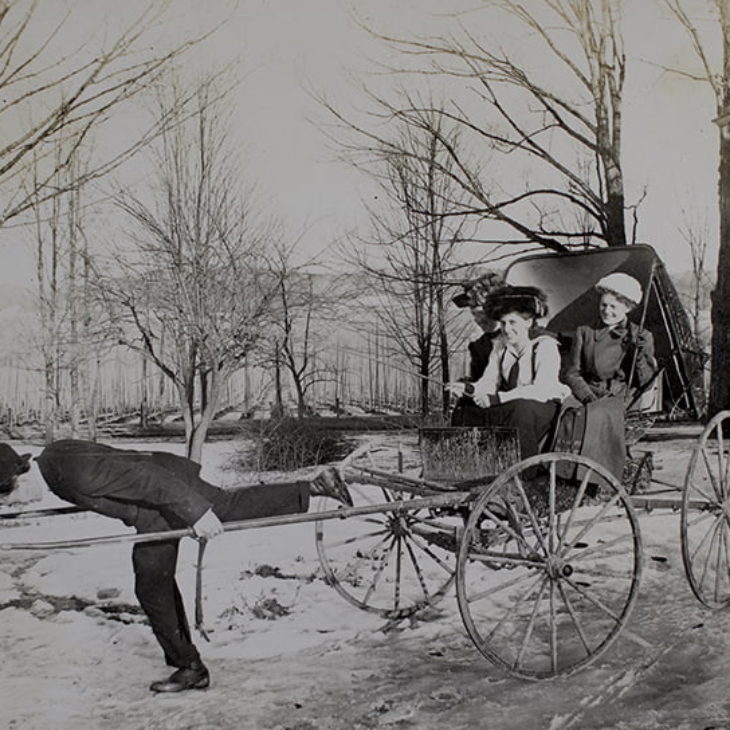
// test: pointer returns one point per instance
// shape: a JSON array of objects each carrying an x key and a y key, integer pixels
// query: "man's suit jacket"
[{"x": 136, "y": 487}]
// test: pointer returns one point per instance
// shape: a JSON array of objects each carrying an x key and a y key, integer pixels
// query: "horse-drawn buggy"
[{"x": 545, "y": 552}]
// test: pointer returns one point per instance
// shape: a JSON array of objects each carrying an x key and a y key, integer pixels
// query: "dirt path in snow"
[{"x": 77, "y": 669}]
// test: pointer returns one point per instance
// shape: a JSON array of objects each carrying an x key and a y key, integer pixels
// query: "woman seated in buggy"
[
  {"x": 473, "y": 297},
  {"x": 520, "y": 387},
  {"x": 607, "y": 361}
]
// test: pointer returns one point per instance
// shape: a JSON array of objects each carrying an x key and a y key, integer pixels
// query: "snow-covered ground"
[{"x": 286, "y": 651}]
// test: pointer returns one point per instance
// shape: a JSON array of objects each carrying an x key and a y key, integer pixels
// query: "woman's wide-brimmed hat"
[
  {"x": 523, "y": 299},
  {"x": 623, "y": 286}
]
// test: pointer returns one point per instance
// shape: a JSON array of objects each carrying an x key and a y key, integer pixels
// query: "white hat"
[{"x": 621, "y": 285}]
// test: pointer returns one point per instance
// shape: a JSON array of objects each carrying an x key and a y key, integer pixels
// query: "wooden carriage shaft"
[
  {"x": 649, "y": 501},
  {"x": 49, "y": 512},
  {"x": 441, "y": 500},
  {"x": 423, "y": 485}
]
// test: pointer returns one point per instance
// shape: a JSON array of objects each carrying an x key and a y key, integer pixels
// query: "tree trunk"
[
  {"x": 616, "y": 224},
  {"x": 278, "y": 410},
  {"x": 198, "y": 435},
  {"x": 697, "y": 305},
  {"x": 720, "y": 316},
  {"x": 301, "y": 405},
  {"x": 247, "y": 389},
  {"x": 720, "y": 313},
  {"x": 443, "y": 354},
  {"x": 425, "y": 405},
  {"x": 73, "y": 312},
  {"x": 199, "y": 431},
  {"x": 75, "y": 406},
  {"x": 51, "y": 414},
  {"x": 144, "y": 409},
  {"x": 92, "y": 388},
  {"x": 188, "y": 414}
]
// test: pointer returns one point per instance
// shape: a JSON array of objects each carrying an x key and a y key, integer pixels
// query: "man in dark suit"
[{"x": 154, "y": 492}]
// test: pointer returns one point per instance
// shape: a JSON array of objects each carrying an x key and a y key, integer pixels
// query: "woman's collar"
[
  {"x": 517, "y": 349},
  {"x": 617, "y": 330}
]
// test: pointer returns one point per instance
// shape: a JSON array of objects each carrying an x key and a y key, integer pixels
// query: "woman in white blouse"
[{"x": 520, "y": 387}]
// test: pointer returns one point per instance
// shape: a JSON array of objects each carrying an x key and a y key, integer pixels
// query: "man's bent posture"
[{"x": 153, "y": 492}]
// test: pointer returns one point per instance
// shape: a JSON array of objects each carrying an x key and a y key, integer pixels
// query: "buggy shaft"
[
  {"x": 415, "y": 482},
  {"x": 50, "y": 512},
  {"x": 649, "y": 502},
  {"x": 441, "y": 500}
]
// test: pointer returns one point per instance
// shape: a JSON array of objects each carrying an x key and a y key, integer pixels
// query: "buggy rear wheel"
[
  {"x": 394, "y": 564},
  {"x": 705, "y": 520},
  {"x": 566, "y": 539}
]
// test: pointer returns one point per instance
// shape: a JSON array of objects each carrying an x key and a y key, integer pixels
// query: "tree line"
[{"x": 479, "y": 144}]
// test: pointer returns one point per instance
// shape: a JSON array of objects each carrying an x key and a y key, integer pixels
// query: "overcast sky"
[{"x": 289, "y": 46}]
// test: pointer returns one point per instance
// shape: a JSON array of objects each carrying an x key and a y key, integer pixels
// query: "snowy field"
[{"x": 286, "y": 651}]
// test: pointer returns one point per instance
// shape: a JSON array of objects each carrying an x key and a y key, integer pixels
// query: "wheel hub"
[
  {"x": 557, "y": 568},
  {"x": 399, "y": 526}
]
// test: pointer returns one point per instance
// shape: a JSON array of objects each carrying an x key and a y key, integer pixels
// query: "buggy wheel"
[
  {"x": 705, "y": 521},
  {"x": 393, "y": 564},
  {"x": 566, "y": 538}
]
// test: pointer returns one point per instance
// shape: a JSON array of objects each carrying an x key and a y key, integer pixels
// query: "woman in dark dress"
[
  {"x": 607, "y": 360},
  {"x": 474, "y": 296}
]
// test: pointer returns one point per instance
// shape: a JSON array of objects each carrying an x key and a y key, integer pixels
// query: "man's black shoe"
[
  {"x": 329, "y": 483},
  {"x": 193, "y": 677}
]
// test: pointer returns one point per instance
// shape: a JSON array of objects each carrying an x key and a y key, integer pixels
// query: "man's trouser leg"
[
  {"x": 262, "y": 500},
  {"x": 155, "y": 562},
  {"x": 157, "y": 592}
]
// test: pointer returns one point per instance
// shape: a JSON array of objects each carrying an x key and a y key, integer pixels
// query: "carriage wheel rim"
[
  {"x": 551, "y": 574},
  {"x": 717, "y": 498}
]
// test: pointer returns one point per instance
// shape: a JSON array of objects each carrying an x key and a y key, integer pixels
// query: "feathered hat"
[{"x": 475, "y": 292}]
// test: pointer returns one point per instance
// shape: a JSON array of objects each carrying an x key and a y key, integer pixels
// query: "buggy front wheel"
[
  {"x": 549, "y": 566},
  {"x": 395, "y": 563}
]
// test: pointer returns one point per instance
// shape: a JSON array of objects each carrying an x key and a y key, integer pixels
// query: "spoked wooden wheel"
[
  {"x": 706, "y": 515},
  {"x": 395, "y": 563},
  {"x": 565, "y": 537}
]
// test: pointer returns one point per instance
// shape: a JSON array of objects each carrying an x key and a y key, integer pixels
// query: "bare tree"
[
  {"x": 719, "y": 81},
  {"x": 409, "y": 257},
  {"x": 71, "y": 331},
  {"x": 196, "y": 291},
  {"x": 52, "y": 98},
  {"x": 559, "y": 118},
  {"x": 305, "y": 311},
  {"x": 696, "y": 238},
  {"x": 51, "y": 310}
]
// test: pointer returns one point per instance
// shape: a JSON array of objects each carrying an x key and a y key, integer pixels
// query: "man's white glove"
[{"x": 208, "y": 526}]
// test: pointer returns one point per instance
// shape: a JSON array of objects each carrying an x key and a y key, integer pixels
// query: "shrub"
[{"x": 288, "y": 444}]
